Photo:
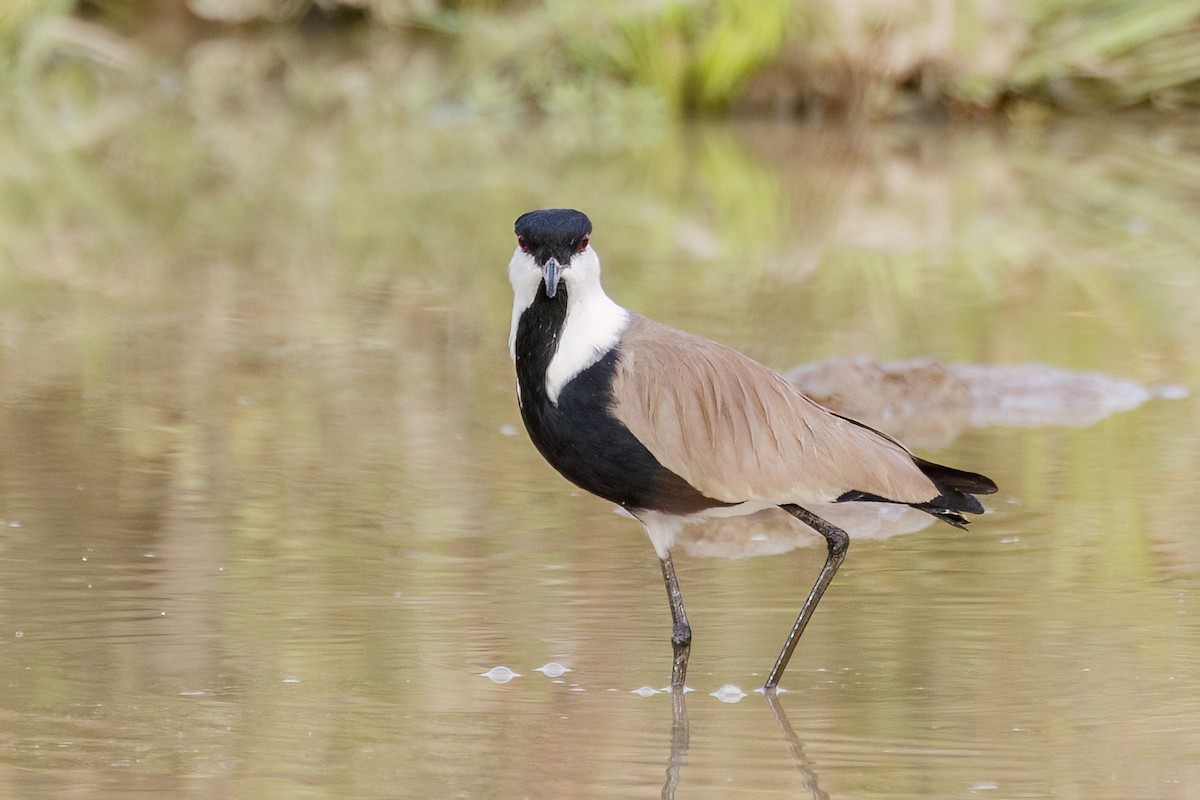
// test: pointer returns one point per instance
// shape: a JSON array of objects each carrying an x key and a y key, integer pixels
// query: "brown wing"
[{"x": 738, "y": 431}]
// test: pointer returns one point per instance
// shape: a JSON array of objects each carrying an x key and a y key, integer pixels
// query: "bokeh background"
[{"x": 268, "y": 511}]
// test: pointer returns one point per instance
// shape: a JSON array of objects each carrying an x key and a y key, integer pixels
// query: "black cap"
[{"x": 552, "y": 232}]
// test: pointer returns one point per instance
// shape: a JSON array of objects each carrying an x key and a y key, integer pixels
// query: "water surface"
[{"x": 268, "y": 512}]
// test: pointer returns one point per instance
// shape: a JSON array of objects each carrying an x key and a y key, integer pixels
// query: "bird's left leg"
[
  {"x": 838, "y": 542},
  {"x": 681, "y": 631}
]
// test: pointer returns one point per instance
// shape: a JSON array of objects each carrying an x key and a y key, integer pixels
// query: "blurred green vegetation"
[
  {"x": 253, "y": 313},
  {"x": 660, "y": 59}
]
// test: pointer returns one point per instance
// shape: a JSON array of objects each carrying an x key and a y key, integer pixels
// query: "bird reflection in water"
[{"x": 681, "y": 741}]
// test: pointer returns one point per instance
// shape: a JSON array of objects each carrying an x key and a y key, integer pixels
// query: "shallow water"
[{"x": 269, "y": 515}]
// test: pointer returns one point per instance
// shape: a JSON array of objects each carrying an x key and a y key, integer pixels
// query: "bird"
[{"x": 675, "y": 428}]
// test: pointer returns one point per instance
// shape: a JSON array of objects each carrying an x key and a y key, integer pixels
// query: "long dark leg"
[
  {"x": 681, "y": 631},
  {"x": 838, "y": 543}
]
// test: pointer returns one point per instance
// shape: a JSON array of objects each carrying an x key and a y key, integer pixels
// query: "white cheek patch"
[{"x": 525, "y": 277}]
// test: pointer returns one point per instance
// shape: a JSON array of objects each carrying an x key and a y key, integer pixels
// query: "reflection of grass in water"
[
  {"x": 1037, "y": 211},
  {"x": 365, "y": 182},
  {"x": 972, "y": 250}
]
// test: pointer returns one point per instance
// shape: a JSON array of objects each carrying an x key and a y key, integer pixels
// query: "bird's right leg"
[
  {"x": 681, "y": 631},
  {"x": 837, "y": 541}
]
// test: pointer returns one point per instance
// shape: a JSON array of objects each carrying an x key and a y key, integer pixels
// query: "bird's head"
[{"x": 553, "y": 254}]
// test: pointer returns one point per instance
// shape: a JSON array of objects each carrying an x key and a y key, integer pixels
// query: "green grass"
[
  {"x": 690, "y": 57},
  {"x": 1113, "y": 53},
  {"x": 698, "y": 56}
]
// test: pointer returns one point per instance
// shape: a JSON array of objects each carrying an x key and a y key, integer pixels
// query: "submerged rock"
[{"x": 927, "y": 403}]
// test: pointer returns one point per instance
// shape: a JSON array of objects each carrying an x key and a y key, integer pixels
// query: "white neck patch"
[{"x": 593, "y": 326}]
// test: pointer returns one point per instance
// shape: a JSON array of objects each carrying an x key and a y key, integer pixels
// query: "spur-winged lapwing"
[{"x": 675, "y": 428}]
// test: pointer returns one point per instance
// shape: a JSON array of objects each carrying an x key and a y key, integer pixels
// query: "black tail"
[{"x": 958, "y": 489}]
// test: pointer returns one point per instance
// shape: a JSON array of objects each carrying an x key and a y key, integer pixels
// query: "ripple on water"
[
  {"x": 500, "y": 674},
  {"x": 553, "y": 670},
  {"x": 729, "y": 694}
]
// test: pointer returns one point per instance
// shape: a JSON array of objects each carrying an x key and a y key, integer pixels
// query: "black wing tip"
[
  {"x": 947, "y": 509},
  {"x": 958, "y": 489},
  {"x": 956, "y": 480},
  {"x": 951, "y": 509},
  {"x": 957, "y": 493},
  {"x": 946, "y": 515}
]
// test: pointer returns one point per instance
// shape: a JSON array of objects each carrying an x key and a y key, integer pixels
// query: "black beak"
[{"x": 553, "y": 272}]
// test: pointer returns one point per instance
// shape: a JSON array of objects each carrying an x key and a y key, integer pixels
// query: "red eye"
[
  {"x": 521, "y": 243},
  {"x": 583, "y": 243}
]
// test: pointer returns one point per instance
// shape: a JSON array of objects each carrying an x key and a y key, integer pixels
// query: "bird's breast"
[{"x": 567, "y": 364}]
